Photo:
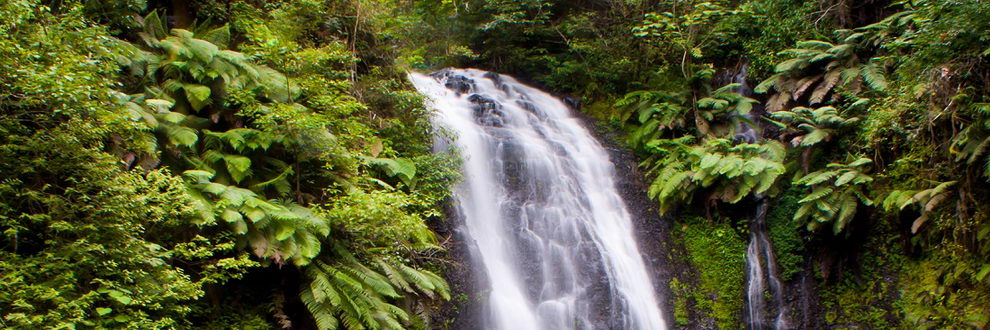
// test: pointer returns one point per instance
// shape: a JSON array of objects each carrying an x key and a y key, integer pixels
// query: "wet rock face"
[
  {"x": 573, "y": 103},
  {"x": 526, "y": 105},
  {"x": 497, "y": 79},
  {"x": 460, "y": 84},
  {"x": 456, "y": 82},
  {"x": 487, "y": 111}
]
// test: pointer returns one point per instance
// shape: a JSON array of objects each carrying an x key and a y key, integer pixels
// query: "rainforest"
[{"x": 495, "y": 164}]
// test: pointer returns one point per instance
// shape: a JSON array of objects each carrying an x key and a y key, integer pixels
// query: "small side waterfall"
[
  {"x": 761, "y": 264},
  {"x": 761, "y": 267},
  {"x": 550, "y": 234}
]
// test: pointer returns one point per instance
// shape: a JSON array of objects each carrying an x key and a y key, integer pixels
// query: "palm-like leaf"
[
  {"x": 347, "y": 293},
  {"x": 820, "y": 67},
  {"x": 926, "y": 201},
  {"x": 836, "y": 193},
  {"x": 815, "y": 126},
  {"x": 733, "y": 170}
]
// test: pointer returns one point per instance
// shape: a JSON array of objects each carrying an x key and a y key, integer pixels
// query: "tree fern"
[
  {"x": 724, "y": 110},
  {"x": 816, "y": 68},
  {"x": 836, "y": 193},
  {"x": 814, "y": 125},
  {"x": 971, "y": 144},
  {"x": 926, "y": 201},
  {"x": 346, "y": 293},
  {"x": 220, "y": 119},
  {"x": 734, "y": 171},
  {"x": 654, "y": 112}
]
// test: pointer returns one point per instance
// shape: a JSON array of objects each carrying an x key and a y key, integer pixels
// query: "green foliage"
[
  {"x": 862, "y": 300},
  {"x": 65, "y": 71},
  {"x": 681, "y": 292},
  {"x": 970, "y": 145},
  {"x": 516, "y": 12},
  {"x": 732, "y": 171},
  {"x": 379, "y": 223},
  {"x": 85, "y": 243},
  {"x": 764, "y": 33},
  {"x": 718, "y": 253},
  {"x": 785, "y": 233},
  {"x": 403, "y": 169},
  {"x": 687, "y": 36},
  {"x": 836, "y": 193},
  {"x": 818, "y": 125},
  {"x": 232, "y": 174},
  {"x": 824, "y": 66},
  {"x": 724, "y": 103},
  {"x": 935, "y": 298},
  {"x": 347, "y": 294},
  {"x": 926, "y": 200},
  {"x": 125, "y": 203},
  {"x": 108, "y": 264},
  {"x": 655, "y": 112}
]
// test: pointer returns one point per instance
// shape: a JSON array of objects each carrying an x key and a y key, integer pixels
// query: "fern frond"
[
  {"x": 771, "y": 82},
  {"x": 847, "y": 210},
  {"x": 815, "y": 44},
  {"x": 817, "y": 194},
  {"x": 791, "y": 65},
  {"x": 376, "y": 282},
  {"x": 874, "y": 77},
  {"x": 846, "y": 178},
  {"x": 419, "y": 280}
]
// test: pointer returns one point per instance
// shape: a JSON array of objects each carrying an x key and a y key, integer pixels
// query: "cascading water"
[
  {"x": 761, "y": 266},
  {"x": 539, "y": 205}
]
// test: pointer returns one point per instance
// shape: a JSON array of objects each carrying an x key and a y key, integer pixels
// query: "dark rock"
[
  {"x": 527, "y": 105},
  {"x": 574, "y": 103},
  {"x": 460, "y": 84},
  {"x": 456, "y": 82},
  {"x": 487, "y": 111},
  {"x": 497, "y": 79}
]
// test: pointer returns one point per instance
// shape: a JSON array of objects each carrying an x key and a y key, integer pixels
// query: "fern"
[
  {"x": 836, "y": 193},
  {"x": 655, "y": 112},
  {"x": 926, "y": 200},
  {"x": 820, "y": 67},
  {"x": 401, "y": 168},
  {"x": 734, "y": 171},
  {"x": 348, "y": 294},
  {"x": 971, "y": 144}
]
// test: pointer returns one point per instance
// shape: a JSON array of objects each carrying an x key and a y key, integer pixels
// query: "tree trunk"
[{"x": 181, "y": 13}]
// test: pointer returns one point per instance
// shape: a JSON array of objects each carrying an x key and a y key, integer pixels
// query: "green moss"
[
  {"x": 864, "y": 301},
  {"x": 785, "y": 234},
  {"x": 681, "y": 292},
  {"x": 718, "y": 253},
  {"x": 857, "y": 304},
  {"x": 937, "y": 300}
]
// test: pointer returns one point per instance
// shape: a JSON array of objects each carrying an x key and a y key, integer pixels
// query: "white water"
[
  {"x": 761, "y": 266},
  {"x": 550, "y": 232}
]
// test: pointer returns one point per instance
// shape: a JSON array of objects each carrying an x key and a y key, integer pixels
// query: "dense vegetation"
[
  {"x": 865, "y": 128},
  {"x": 246, "y": 167},
  {"x": 242, "y": 163}
]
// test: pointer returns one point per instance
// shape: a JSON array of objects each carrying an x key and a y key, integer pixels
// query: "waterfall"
[
  {"x": 549, "y": 233},
  {"x": 761, "y": 266}
]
